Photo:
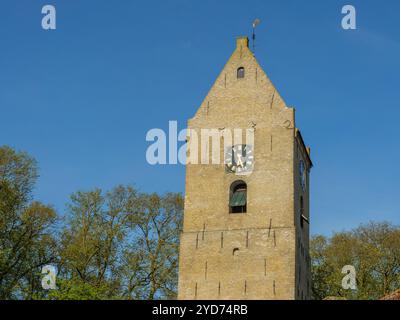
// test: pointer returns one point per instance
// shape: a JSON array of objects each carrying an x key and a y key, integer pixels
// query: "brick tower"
[{"x": 246, "y": 236}]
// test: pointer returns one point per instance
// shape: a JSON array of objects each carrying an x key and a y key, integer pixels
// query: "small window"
[
  {"x": 238, "y": 197},
  {"x": 240, "y": 73}
]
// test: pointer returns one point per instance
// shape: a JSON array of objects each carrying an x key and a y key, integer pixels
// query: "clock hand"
[{"x": 240, "y": 162}]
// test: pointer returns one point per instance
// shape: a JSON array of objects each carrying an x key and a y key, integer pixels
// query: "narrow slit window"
[{"x": 301, "y": 212}]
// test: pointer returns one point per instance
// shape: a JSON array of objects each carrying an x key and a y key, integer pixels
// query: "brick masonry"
[{"x": 261, "y": 254}]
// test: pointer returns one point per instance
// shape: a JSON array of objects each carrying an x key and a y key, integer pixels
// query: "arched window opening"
[
  {"x": 238, "y": 197},
  {"x": 240, "y": 73}
]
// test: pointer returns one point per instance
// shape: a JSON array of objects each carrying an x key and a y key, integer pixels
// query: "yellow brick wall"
[{"x": 267, "y": 263}]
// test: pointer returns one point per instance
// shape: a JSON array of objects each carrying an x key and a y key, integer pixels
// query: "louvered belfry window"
[{"x": 238, "y": 197}]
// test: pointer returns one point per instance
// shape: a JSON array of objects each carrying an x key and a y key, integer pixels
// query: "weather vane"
[{"x": 256, "y": 22}]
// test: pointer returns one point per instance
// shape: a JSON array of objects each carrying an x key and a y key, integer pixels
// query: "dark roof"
[
  {"x": 392, "y": 296},
  {"x": 306, "y": 150}
]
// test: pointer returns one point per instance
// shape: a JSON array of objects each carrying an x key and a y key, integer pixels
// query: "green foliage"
[
  {"x": 76, "y": 289},
  {"x": 124, "y": 242},
  {"x": 26, "y": 235},
  {"x": 374, "y": 251},
  {"x": 121, "y": 244}
]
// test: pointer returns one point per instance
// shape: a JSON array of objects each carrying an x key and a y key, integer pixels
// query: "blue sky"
[{"x": 81, "y": 99}]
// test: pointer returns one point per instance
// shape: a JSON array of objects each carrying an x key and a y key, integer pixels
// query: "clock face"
[
  {"x": 239, "y": 159},
  {"x": 302, "y": 175}
]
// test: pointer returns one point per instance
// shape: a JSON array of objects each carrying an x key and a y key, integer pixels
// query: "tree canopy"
[
  {"x": 120, "y": 244},
  {"x": 374, "y": 251}
]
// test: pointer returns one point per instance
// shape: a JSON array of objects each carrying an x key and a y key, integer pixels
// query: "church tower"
[{"x": 246, "y": 221}]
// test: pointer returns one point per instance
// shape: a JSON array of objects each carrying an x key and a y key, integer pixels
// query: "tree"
[
  {"x": 91, "y": 243},
  {"x": 26, "y": 228},
  {"x": 121, "y": 244},
  {"x": 150, "y": 263},
  {"x": 374, "y": 251}
]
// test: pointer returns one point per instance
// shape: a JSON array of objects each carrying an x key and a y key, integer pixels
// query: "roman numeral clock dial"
[{"x": 239, "y": 159}]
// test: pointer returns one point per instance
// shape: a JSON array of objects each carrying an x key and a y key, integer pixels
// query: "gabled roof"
[{"x": 226, "y": 85}]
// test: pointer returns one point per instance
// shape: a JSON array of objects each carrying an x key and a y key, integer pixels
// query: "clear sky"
[{"x": 81, "y": 98}]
